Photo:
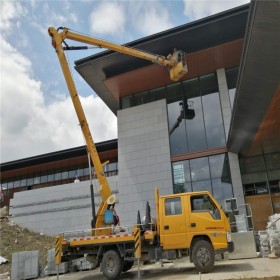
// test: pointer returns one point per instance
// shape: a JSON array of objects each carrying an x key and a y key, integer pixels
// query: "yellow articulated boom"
[{"x": 177, "y": 67}]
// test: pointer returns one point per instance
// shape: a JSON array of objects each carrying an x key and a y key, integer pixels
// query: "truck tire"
[
  {"x": 127, "y": 265},
  {"x": 203, "y": 256},
  {"x": 112, "y": 264}
]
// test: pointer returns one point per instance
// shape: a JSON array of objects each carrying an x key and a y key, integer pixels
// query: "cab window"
[
  {"x": 173, "y": 206},
  {"x": 203, "y": 203}
]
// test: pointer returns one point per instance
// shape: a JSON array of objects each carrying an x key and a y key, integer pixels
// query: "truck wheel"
[
  {"x": 112, "y": 264},
  {"x": 127, "y": 265},
  {"x": 203, "y": 256}
]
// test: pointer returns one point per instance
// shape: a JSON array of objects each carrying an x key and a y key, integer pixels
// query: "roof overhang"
[
  {"x": 215, "y": 40},
  {"x": 255, "y": 124}
]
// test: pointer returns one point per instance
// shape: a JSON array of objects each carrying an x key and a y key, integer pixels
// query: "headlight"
[{"x": 229, "y": 236}]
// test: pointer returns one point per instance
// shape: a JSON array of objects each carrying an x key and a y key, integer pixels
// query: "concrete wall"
[
  {"x": 57, "y": 209},
  {"x": 143, "y": 158}
]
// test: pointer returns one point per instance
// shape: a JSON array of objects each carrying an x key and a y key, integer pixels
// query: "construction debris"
[
  {"x": 26, "y": 241},
  {"x": 2, "y": 260},
  {"x": 270, "y": 238}
]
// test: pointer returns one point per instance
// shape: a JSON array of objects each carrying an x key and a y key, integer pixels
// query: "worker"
[
  {"x": 177, "y": 55},
  {"x": 77, "y": 180},
  {"x": 111, "y": 206},
  {"x": 116, "y": 217}
]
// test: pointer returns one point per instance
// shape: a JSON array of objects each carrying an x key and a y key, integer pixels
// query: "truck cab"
[{"x": 194, "y": 222}]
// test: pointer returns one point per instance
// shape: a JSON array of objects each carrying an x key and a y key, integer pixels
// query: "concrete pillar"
[
  {"x": 233, "y": 158},
  {"x": 225, "y": 101},
  {"x": 236, "y": 178}
]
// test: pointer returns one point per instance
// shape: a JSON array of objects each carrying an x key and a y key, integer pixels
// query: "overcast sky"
[{"x": 37, "y": 115}]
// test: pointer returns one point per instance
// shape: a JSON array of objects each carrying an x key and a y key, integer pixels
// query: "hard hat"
[{"x": 111, "y": 199}]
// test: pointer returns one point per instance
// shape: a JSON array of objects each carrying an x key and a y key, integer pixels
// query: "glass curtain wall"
[
  {"x": 204, "y": 174},
  {"x": 110, "y": 169},
  {"x": 260, "y": 174},
  {"x": 194, "y": 115},
  {"x": 194, "y": 112}
]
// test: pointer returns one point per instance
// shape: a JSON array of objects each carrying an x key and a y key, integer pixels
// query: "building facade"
[{"x": 216, "y": 130}]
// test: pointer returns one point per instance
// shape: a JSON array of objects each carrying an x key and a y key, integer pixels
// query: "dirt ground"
[
  {"x": 16, "y": 239},
  {"x": 249, "y": 269}
]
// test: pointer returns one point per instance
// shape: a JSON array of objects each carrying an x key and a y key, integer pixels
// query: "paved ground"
[{"x": 225, "y": 269}]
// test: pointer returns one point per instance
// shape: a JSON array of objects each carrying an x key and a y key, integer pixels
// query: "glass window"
[
  {"x": 181, "y": 177},
  {"x": 260, "y": 174},
  {"x": 111, "y": 167},
  {"x": 4, "y": 186},
  {"x": 274, "y": 174},
  {"x": 177, "y": 131},
  {"x": 253, "y": 178},
  {"x": 10, "y": 185},
  {"x": 173, "y": 206},
  {"x": 194, "y": 175},
  {"x": 127, "y": 102},
  {"x": 261, "y": 188},
  {"x": 249, "y": 189},
  {"x": 64, "y": 175},
  {"x": 204, "y": 185},
  {"x": 252, "y": 165},
  {"x": 212, "y": 111},
  {"x": 51, "y": 177},
  {"x": 199, "y": 169},
  {"x": 174, "y": 92},
  {"x": 141, "y": 98},
  {"x": 30, "y": 181},
  {"x": 194, "y": 123},
  {"x": 73, "y": 173},
  {"x": 58, "y": 176},
  {"x": 273, "y": 169},
  {"x": 158, "y": 93},
  {"x": 16, "y": 183},
  {"x": 44, "y": 179},
  {"x": 219, "y": 167},
  {"x": 86, "y": 171},
  {"x": 23, "y": 182},
  {"x": 221, "y": 190},
  {"x": 194, "y": 115},
  {"x": 37, "y": 180},
  {"x": 274, "y": 186},
  {"x": 195, "y": 127},
  {"x": 273, "y": 161},
  {"x": 203, "y": 203}
]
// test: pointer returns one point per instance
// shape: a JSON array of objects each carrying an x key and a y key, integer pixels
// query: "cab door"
[
  {"x": 205, "y": 218},
  {"x": 173, "y": 223}
]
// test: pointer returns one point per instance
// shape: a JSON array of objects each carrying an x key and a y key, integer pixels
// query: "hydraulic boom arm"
[{"x": 175, "y": 63}]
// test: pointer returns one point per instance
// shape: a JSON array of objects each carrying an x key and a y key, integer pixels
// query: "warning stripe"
[
  {"x": 137, "y": 239},
  {"x": 137, "y": 244},
  {"x": 102, "y": 237},
  {"x": 57, "y": 247}
]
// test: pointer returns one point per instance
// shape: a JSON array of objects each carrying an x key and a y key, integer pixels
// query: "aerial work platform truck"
[{"x": 186, "y": 224}]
